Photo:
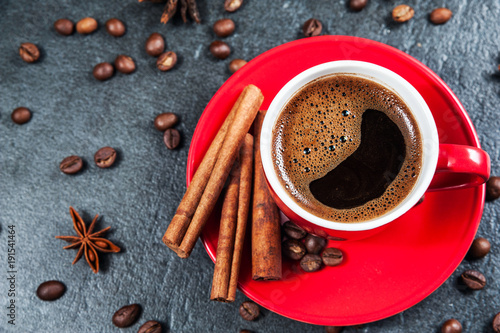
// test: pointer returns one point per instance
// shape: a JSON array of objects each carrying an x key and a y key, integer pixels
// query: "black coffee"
[{"x": 347, "y": 148}]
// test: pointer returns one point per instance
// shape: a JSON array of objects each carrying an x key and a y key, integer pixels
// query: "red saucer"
[{"x": 397, "y": 268}]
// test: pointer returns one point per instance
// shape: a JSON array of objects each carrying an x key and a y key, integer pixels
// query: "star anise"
[
  {"x": 187, "y": 6},
  {"x": 87, "y": 241}
]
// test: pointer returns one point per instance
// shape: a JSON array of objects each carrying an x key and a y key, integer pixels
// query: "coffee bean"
[
  {"x": 124, "y": 64},
  {"x": 224, "y": 27},
  {"x": 357, "y": 5},
  {"x": 103, "y": 71},
  {"x": 333, "y": 329},
  {"x": 71, "y": 164},
  {"x": 86, "y": 26},
  {"x": 473, "y": 279},
  {"x": 311, "y": 262},
  {"x": 105, "y": 157},
  {"x": 245, "y": 331},
  {"x": 332, "y": 256},
  {"x": 126, "y": 315},
  {"x": 293, "y": 249},
  {"x": 236, "y": 64},
  {"x": 219, "y": 49},
  {"x": 232, "y": 5},
  {"x": 480, "y": 247},
  {"x": 314, "y": 244},
  {"x": 165, "y": 120},
  {"x": 312, "y": 27},
  {"x": 496, "y": 323},
  {"x": 150, "y": 327},
  {"x": 451, "y": 326},
  {"x": 155, "y": 45},
  {"x": 29, "y": 52},
  {"x": 493, "y": 188},
  {"x": 50, "y": 290},
  {"x": 293, "y": 231},
  {"x": 440, "y": 15},
  {"x": 21, "y": 115},
  {"x": 249, "y": 310},
  {"x": 166, "y": 61},
  {"x": 402, "y": 13},
  {"x": 172, "y": 138},
  {"x": 115, "y": 27},
  {"x": 64, "y": 27}
]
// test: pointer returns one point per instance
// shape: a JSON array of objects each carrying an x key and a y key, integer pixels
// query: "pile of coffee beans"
[{"x": 164, "y": 123}]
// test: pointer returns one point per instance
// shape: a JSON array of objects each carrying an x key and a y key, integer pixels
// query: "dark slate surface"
[{"x": 75, "y": 114}]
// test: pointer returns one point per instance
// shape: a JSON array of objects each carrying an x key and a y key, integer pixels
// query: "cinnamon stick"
[{"x": 266, "y": 242}]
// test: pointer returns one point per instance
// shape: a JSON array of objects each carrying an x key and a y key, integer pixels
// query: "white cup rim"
[{"x": 418, "y": 107}]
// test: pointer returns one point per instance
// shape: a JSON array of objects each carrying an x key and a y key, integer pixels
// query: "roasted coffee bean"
[
  {"x": 29, "y": 52},
  {"x": 219, "y": 49},
  {"x": 473, "y": 279},
  {"x": 311, "y": 262},
  {"x": 127, "y": 315},
  {"x": 249, "y": 310},
  {"x": 86, "y": 25},
  {"x": 440, "y": 15},
  {"x": 312, "y": 27},
  {"x": 232, "y": 5},
  {"x": 71, "y": 164},
  {"x": 124, "y": 64},
  {"x": 21, "y": 115},
  {"x": 451, "y": 326},
  {"x": 314, "y": 244},
  {"x": 357, "y": 5},
  {"x": 493, "y": 188},
  {"x": 64, "y": 27},
  {"x": 150, "y": 327},
  {"x": 172, "y": 138},
  {"x": 333, "y": 329},
  {"x": 115, "y": 27},
  {"x": 245, "y": 331},
  {"x": 165, "y": 120},
  {"x": 236, "y": 64},
  {"x": 103, "y": 71},
  {"x": 166, "y": 61},
  {"x": 293, "y": 249},
  {"x": 50, "y": 290},
  {"x": 480, "y": 247},
  {"x": 155, "y": 45},
  {"x": 332, "y": 256},
  {"x": 496, "y": 323},
  {"x": 224, "y": 27},
  {"x": 105, "y": 157},
  {"x": 293, "y": 231},
  {"x": 402, "y": 13}
]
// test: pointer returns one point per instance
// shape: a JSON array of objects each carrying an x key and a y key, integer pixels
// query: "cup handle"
[{"x": 460, "y": 166}]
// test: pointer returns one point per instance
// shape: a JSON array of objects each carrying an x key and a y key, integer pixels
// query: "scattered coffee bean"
[
  {"x": 165, "y": 120},
  {"x": 312, "y": 27},
  {"x": 249, "y": 310},
  {"x": 64, "y": 27},
  {"x": 166, "y": 61},
  {"x": 333, "y": 329},
  {"x": 21, "y": 115},
  {"x": 29, "y": 52},
  {"x": 103, "y": 71},
  {"x": 451, "y": 326},
  {"x": 357, "y": 5},
  {"x": 126, "y": 315},
  {"x": 293, "y": 231},
  {"x": 314, "y": 244},
  {"x": 232, "y": 5},
  {"x": 293, "y": 249},
  {"x": 332, "y": 256},
  {"x": 124, "y": 64},
  {"x": 105, "y": 157},
  {"x": 245, "y": 331},
  {"x": 473, "y": 279},
  {"x": 86, "y": 25},
  {"x": 172, "y": 138},
  {"x": 224, "y": 27},
  {"x": 311, "y": 262},
  {"x": 496, "y": 323},
  {"x": 115, "y": 27},
  {"x": 440, "y": 15},
  {"x": 480, "y": 247},
  {"x": 493, "y": 188},
  {"x": 150, "y": 327},
  {"x": 155, "y": 45},
  {"x": 402, "y": 13},
  {"x": 71, "y": 164},
  {"x": 50, "y": 290},
  {"x": 236, "y": 64},
  {"x": 219, "y": 49}
]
